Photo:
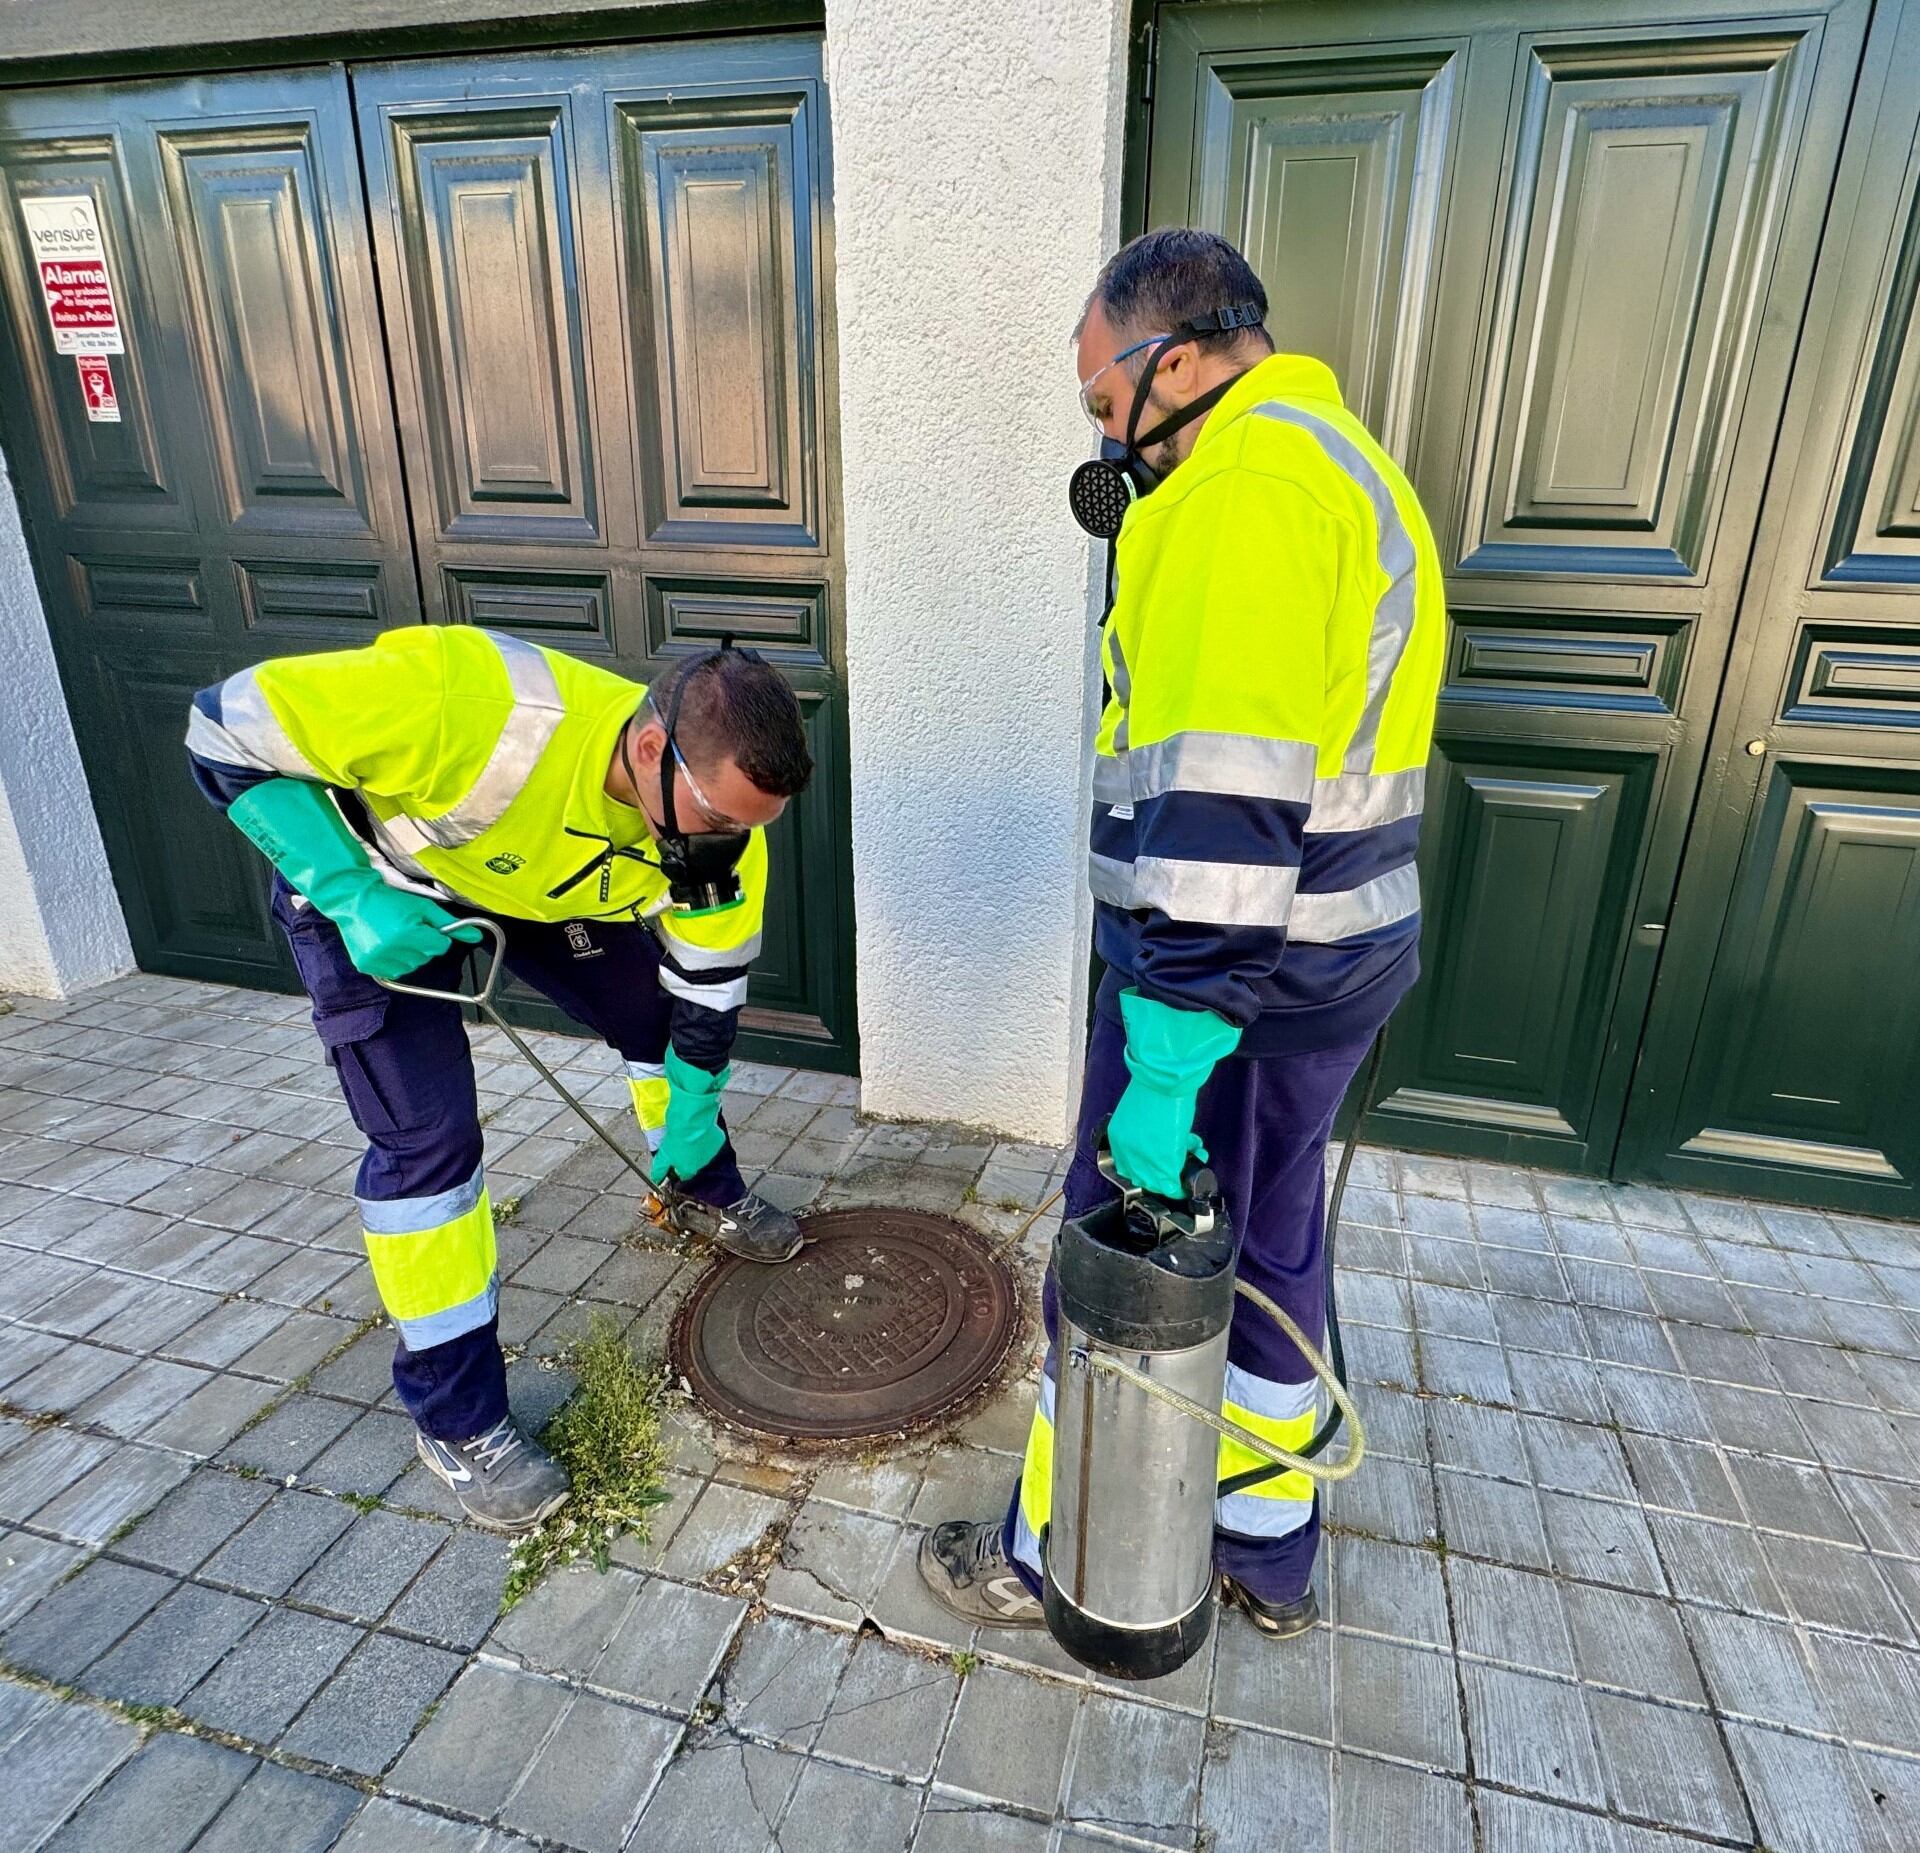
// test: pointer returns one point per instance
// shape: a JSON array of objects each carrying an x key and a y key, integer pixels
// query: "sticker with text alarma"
[
  {"x": 96, "y": 387},
  {"x": 64, "y": 231}
]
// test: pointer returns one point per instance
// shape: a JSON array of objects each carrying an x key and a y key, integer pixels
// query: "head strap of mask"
[
  {"x": 1103, "y": 488},
  {"x": 702, "y": 869}
]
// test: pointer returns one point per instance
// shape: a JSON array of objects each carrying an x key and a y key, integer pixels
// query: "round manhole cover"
[{"x": 884, "y": 1319}]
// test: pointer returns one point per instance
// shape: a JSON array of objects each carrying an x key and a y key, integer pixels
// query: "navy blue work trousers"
[
  {"x": 406, "y": 1073},
  {"x": 1265, "y": 1121}
]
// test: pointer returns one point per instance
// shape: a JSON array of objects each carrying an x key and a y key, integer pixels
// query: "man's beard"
[{"x": 1163, "y": 458}]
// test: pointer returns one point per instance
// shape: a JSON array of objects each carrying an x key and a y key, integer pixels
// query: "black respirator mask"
[
  {"x": 1103, "y": 488},
  {"x": 702, "y": 868}
]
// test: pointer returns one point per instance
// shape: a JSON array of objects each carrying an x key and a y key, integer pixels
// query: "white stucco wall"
[
  {"x": 977, "y": 153},
  {"x": 61, "y": 928}
]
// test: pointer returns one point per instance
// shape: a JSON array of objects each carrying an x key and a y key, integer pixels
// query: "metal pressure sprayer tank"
[{"x": 1146, "y": 1287}]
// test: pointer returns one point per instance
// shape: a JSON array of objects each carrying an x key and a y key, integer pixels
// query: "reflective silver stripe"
[
  {"x": 1215, "y": 893},
  {"x": 248, "y": 732},
  {"x": 1026, "y": 1547},
  {"x": 1110, "y": 779},
  {"x": 536, "y": 714},
  {"x": 411, "y": 1215},
  {"x": 1110, "y": 881},
  {"x": 390, "y": 847},
  {"x": 709, "y": 959},
  {"x": 1267, "y": 1396},
  {"x": 729, "y": 996},
  {"x": 646, "y": 1071},
  {"x": 1120, "y": 732},
  {"x": 404, "y": 834},
  {"x": 1235, "y": 765},
  {"x": 1393, "y": 616},
  {"x": 1274, "y": 1512},
  {"x": 1365, "y": 801},
  {"x": 437, "y": 1328},
  {"x": 1119, "y": 676},
  {"x": 1321, "y": 919}
]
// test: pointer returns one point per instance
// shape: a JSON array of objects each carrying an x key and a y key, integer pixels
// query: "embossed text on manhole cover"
[{"x": 884, "y": 1319}]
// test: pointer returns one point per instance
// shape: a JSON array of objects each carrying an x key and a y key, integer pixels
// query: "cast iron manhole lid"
[{"x": 884, "y": 1319}]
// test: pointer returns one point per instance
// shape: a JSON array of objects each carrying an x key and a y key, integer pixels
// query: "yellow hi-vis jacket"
[
  {"x": 1274, "y": 653},
  {"x": 474, "y": 766}
]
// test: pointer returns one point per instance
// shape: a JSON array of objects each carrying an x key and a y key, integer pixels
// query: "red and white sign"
[
  {"x": 64, "y": 231},
  {"x": 96, "y": 387}
]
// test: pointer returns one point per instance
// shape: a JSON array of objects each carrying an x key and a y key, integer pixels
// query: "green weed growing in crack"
[
  {"x": 151, "y": 1717},
  {"x": 963, "y": 1660},
  {"x": 608, "y": 1439},
  {"x": 259, "y": 1415}
]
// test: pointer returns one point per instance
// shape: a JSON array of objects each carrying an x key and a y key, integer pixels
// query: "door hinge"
[{"x": 1150, "y": 61}]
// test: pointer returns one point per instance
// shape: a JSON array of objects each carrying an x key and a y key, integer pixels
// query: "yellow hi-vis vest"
[
  {"x": 1274, "y": 653},
  {"x": 478, "y": 764}
]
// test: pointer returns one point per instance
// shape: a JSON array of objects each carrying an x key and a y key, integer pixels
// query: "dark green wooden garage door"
[
  {"x": 1629, "y": 288},
  {"x": 560, "y": 363}
]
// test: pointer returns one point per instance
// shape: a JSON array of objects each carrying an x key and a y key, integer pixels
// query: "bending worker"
[
  {"x": 1274, "y": 654},
  {"x": 617, "y": 834}
]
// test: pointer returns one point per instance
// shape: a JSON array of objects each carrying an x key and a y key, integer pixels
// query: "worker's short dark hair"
[
  {"x": 1164, "y": 278},
  {"x": 737, "y": 706}
]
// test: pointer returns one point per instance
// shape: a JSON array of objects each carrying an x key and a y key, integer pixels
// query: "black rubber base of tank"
[{"x": 1126, "y": 1653}]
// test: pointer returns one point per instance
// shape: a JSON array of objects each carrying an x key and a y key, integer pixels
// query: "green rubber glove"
[
  {"x": 692, "y": 1135},
  {"x": 1170, "y": 1054},
  {"x": 388, "y": 932}
]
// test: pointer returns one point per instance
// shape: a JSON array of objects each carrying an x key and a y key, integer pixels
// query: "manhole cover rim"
[{"x": 949, "y": 1381}]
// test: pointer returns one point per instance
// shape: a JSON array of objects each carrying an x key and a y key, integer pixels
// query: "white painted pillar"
[
  {"x": 977, "y": 156},
  {"x": 61, "y": 928}
]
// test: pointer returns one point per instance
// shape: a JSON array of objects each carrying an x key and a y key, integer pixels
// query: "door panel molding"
[
  {"x": 1810, "y": 1042},
  {"x": 491, "y": 273},
  {"x": 266, "y": 326},
  {"x": 105, "y": 475},
  {"x": 719, "y": 267},
  {"x": 1527, "y": 861},
  {"x": 1626, "y": 665},
  {"x": 1875, "y": 524},
  {"x": 1850, "y": 675},
  {"x": 1638, "y": 245},
  {"x": 1349, "y": 155},
  {"x": 313, "y": 599}
]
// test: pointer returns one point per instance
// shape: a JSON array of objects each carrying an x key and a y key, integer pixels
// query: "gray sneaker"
[
  {"x": 753, "y": 1228},
  {"x": 964, "y": 1564},
  {"x": 503, "y": 1481}
]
